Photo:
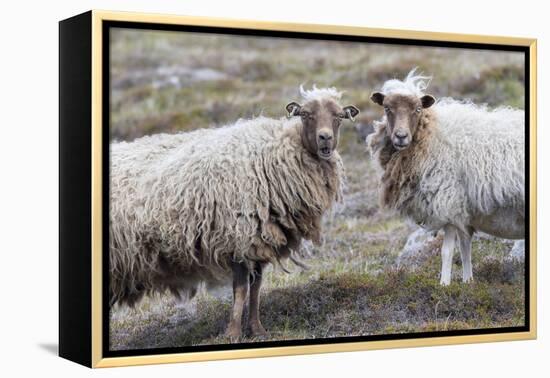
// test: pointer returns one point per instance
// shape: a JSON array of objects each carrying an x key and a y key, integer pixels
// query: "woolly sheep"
[
  {"x": 199, "y": 207},
  {"x": 454, "y": 166}
]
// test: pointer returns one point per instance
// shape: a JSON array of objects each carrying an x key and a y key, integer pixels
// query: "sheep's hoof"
[
  {"x": 234, "y": 333},
  {"x": 258, "y": 331}
]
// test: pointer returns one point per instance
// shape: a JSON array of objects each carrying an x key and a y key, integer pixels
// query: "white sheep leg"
[
  {"x": 447, "y": 254},
  {"x": 465, "y": 244}
]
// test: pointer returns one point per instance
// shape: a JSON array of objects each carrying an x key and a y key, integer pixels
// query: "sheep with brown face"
[
  {"x": 321, "y": 117},
  {"x": 402, "y": 112},
  {"x": 206, "y": 206},
  {"x": 450, "y": 165}
]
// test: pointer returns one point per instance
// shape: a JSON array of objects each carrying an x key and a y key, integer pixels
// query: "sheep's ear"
[
  {"x": 427, "y": 101},
  {"x": 293, "y": 108},
  {"x": 377, "y": 98},
  {"x": 350, "y": 112}
]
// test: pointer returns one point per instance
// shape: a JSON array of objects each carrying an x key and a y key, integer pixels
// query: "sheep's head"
[
  {"x": 403, "y": 103},
  {"x": 321, "y": 117}
]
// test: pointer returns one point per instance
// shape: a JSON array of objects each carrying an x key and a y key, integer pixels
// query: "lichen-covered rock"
[
  {"x": 419, "y": 246},
  {"x": 518, "y": 250}
]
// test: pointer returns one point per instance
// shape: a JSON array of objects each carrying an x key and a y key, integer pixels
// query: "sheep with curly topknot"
[
  {"x": 199, "y": 207},
  {"x": 450, "y": 165}
]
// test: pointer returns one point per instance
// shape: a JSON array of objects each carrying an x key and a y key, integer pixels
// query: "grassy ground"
[{"x": 356, "y": 285}]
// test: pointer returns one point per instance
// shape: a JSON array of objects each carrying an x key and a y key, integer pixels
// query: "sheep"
[
  {"x": 450, "y": 165},
  {"x": 199, "y": 208}
]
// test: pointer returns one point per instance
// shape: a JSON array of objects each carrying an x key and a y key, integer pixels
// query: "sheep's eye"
[
  {"x": 387, "y": 109},
  {"x": 418, "y": 109}
]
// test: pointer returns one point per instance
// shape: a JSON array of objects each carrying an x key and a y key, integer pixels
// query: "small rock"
[
  {"x": 518, "y": 250},
  {"x": 418, "y": 241},
  {"x": 483, "y": 236}
]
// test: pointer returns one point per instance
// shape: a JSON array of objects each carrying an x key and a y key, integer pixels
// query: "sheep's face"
[
  {"x": 321, "y": 120},
  {"x": 403, "y": 114}
]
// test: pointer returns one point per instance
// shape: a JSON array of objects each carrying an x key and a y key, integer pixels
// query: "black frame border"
[
  {"x": 105, "y": 98},
  {"x": 75, "y": 180}
]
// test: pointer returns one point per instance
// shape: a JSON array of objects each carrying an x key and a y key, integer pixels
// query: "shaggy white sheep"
[
  {"x": 453, "y": 165},
  {"x": 196, "y": 207}
]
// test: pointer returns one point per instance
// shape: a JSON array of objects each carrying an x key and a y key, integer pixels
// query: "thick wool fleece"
[
  {"x": 184, "y": 206},
  {"x": 465, "y": 161}
]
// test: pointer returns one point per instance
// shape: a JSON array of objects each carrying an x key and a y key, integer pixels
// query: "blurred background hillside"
[
  {"x": 169, "y": 81},
  {"x": 359, "y": 283}
]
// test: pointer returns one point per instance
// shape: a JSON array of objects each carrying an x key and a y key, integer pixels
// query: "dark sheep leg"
[
  {"x": 240, "y": 291},
  {"x": 256, "y": 328}
]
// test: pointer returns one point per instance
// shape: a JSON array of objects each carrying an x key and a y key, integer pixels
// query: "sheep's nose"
[
  {"x": 325, "y": 137},
  {"x": 401, "y": 134}
]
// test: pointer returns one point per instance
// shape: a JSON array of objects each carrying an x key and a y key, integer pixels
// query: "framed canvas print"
[{"x": 235, "y": 189}]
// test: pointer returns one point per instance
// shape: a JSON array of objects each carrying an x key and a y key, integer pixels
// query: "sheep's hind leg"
[
  {"x": 240, "y": 291},
  {"x": 447, "y": 251},
  {"x": 256, "y": 328},
  {"x": 465, "y": 244}
]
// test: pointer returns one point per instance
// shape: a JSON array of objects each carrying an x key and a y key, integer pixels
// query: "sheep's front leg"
[
  {"x": 240, "y": 291},
  {"x": 465, "y": 244},
  {"x": 256, "y": 327},
  {"x": 447, "y": 254}
]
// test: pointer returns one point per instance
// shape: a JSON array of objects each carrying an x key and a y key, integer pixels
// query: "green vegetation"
[{"x": 356, "y": 285}]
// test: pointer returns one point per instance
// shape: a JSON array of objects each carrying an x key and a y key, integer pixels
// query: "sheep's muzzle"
[
  {"x": 325, "y": 144},
  {"x": 401, "y": 139}
]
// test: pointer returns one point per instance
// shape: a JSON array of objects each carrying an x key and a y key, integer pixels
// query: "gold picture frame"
[{"x": 92, "y": 334}]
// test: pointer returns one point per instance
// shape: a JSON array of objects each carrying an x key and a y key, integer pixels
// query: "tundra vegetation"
[{"x": 357, "y": 283}]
